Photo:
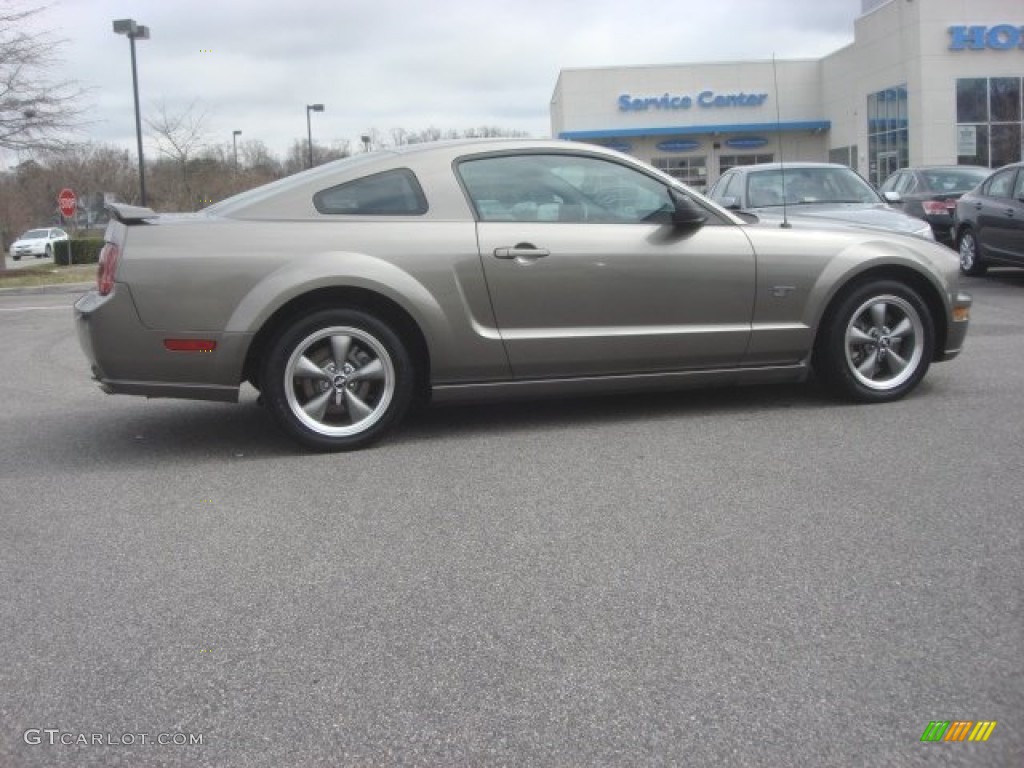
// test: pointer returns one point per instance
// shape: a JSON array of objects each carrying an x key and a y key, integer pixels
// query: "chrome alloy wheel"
[
  {"x": 968, "y": 252},
  {"x": 339, "y": 381},
  {"x": 884, "y": 342}
]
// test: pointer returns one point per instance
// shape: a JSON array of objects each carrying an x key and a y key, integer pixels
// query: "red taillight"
[
  {"x": 106, "y": 269},
  {"x": 937, "y": 207}
]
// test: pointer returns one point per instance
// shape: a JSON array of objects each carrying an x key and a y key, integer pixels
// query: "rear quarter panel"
[{"x": 225, "y": 276}]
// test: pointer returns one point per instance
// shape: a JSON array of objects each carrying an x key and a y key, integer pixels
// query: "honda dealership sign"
[{"x": 1001, "y": 37}]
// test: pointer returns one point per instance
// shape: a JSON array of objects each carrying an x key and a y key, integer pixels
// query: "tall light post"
[
  {"x": 234, "y": 143},
  {"x": 135, "y": 32},
  {"x": 309, "y": 128}
]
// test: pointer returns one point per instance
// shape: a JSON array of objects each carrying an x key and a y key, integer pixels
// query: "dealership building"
[{"x": 924, "y": 82}]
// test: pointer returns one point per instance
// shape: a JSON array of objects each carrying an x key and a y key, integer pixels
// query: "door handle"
[
  {"x": 521, "y": 251},
  {"x": 977, "y": 206},
  {"x": 1009, "y": 212}
]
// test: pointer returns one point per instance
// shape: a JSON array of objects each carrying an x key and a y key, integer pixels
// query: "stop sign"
[{"x": 67, "y": 200}]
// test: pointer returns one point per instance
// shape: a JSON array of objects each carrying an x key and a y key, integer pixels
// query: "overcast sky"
[{"x": 382, "y": 64}]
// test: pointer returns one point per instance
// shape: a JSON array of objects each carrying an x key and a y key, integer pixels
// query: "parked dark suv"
[
  {"x": 931, "y": 192},
  {"x": 990, "y": 222}
]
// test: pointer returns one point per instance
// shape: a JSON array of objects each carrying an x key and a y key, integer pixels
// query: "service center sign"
[{"x": 705, "y": 99}]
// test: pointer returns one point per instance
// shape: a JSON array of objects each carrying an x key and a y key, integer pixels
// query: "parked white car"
[{"x": 37, "y": 242}]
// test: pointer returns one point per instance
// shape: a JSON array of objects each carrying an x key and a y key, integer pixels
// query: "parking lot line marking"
[{"x": 22, "y": 309}]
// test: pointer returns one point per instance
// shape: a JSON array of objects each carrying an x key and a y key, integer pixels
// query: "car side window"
[
  {"x": 907, "y": 184},
  {"x": 1018, "y": 188},
  {"x": 562, "y": 188},
  {"x": 391, "y": 193},
  {"x": 729, "y": 186},
  {"x": 1000, "y": 184}
]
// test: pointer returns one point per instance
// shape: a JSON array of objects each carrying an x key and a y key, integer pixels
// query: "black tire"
[
  {"x": 876, "y": 342},
  {"x": 48, "y": 254},
  {"x": 337, "y": 379},
  {"x": 16, "y": 258},
  {"x": 971, "y": 261}
]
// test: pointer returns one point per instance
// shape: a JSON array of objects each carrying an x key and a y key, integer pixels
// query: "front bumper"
[{"x": 957, "y": 331}]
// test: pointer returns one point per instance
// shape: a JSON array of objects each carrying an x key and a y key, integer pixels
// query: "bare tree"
[
  {"x": 179, "y": 137},
  {"x": 37, "y": 111},
  {"x": 297, "y": 158}
]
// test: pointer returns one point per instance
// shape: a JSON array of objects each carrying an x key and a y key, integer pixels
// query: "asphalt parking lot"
[
  {"x": 26, "y": 261},
  {"x": 740, "y": 577}
]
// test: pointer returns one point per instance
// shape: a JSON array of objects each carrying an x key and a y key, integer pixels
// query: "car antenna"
[{"x": 778, "y": 130}]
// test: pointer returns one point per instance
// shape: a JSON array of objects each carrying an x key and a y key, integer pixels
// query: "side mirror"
[
  {"x": 730, "y": 202},
  {"x": 892, "y": 197},
  {"x": 687, "y": 214}
]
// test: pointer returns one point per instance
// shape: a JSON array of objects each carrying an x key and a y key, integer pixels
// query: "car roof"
[
  {"x": 787, "y": 166},
  {"x": 292, "y": 196}
]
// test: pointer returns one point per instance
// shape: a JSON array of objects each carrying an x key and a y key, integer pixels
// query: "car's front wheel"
[
  {"x": 971, "y": 262},
  {"x": 876, "y": 343},
  {"x": 337, "y": 379}
]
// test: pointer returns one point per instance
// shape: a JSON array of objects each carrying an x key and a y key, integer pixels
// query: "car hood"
[{"x": 847, "y": 214}]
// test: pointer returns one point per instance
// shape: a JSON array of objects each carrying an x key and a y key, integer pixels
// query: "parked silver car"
[
  {"x": 812, "y": 194},
  {"x": 495, "y": 269}
]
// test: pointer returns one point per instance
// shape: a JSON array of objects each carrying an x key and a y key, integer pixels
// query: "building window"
[
  {"x": 989, "y": 122},
  {"x": 692, "y": 171},
  {"x": 844, "y": 156},
  {"x": 725, "y": 162},
  {"x": 888, "y": 133}
]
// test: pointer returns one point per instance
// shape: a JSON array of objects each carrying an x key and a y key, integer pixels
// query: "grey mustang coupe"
[{"x": 495, "y": 269}]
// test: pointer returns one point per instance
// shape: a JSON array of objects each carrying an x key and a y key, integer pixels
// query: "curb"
[{"x": 26, "y": 290}]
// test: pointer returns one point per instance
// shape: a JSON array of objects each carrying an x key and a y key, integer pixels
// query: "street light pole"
[
  {"x": 234, "y": 142},
  {"x": 309, "y": 128},
  {"x": 135, "y": 32}
]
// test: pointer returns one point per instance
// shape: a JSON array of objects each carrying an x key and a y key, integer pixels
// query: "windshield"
[
  {"x": 35, "y": 234},
  {"x": 955, "y": 179},
  {"x": 796, "y": 186}
]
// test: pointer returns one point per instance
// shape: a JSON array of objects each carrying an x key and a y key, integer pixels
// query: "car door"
[
  {"x": 997, "y": 213},
  {"x": 1015, "y": 222},
  {"x": 587, "y": 276}
]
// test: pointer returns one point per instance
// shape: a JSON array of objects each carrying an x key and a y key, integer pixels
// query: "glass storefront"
[
  {"x": 692, "y": 171},
  {"x": 989, "y": 117},
  {"x": 725, "y": 162},
  {"x": 888, "y": 134}
]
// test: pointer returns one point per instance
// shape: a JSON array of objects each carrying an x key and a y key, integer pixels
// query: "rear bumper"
[{"x": 127, "y": 358}]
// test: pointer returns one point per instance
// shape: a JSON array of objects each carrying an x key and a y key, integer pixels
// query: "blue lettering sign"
[
  {"x": 746, "y": 142},
  {"x": 628, "y": 103},
  {"x": 711, "y": 99},
  {"x": 668, "y": 101},
  {"x": 1001, "y": 37},
  {"x": 619, "y": 146},
  {"x": 678, "y": 145}
]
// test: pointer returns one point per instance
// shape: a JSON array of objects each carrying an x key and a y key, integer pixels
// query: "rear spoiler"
[{"x": 131, "y": 214}]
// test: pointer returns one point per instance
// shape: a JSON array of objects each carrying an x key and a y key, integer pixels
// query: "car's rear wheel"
[
  {"x": 971, "y": 262},
  {"x": 876, "y": 343},
  {"x": 49, "y": 252},
  {"x": 337, "y": 379}
]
